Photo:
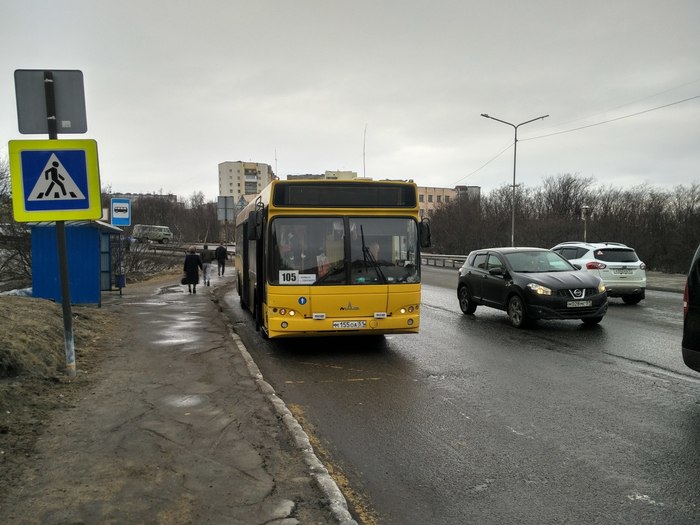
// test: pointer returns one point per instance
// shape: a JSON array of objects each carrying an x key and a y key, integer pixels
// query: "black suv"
[
  {"x": 529, "y": 284},
  {"x": 691, "y": 315}
]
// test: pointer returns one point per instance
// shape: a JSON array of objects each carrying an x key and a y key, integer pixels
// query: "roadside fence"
[{"x": 444, "y": 261}]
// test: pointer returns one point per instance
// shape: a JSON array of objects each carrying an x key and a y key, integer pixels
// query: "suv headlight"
[
  {"x": 601, "y": 287},
  {"x": 539, "y": 289}
]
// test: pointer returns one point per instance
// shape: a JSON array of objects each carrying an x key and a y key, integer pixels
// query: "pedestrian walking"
[
  {"x": 207, "y": 257},
  {"x": 193, "y": 263},
  {"x": 221, "y": 256}
]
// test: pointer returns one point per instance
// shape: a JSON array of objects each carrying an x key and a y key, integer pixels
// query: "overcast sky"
[{"x": 175, "y": 87}]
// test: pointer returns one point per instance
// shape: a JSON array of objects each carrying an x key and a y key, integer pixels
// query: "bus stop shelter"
[{"x": 91, "y": 260}]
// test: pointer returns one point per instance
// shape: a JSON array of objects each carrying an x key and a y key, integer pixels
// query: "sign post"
[
  {"x": 225, "y": 211},
  {"x": 120, "y": 215},
  {"x": 54, "y": 180}
]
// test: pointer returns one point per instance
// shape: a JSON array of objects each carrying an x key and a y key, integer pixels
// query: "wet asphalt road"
[{"x": 472, "y": 421}]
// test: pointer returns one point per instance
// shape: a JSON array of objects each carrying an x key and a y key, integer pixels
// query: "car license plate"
[
  {"x": 623, "y": 271},
  {"x": 578, "y": 304},
  {"x": 349, "y": 324}
]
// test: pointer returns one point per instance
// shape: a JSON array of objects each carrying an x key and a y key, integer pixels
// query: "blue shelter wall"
[{"x": 83, "y": 247}]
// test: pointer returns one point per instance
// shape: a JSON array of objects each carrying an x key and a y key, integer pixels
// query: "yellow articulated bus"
[{"x": 325, "y": 257}]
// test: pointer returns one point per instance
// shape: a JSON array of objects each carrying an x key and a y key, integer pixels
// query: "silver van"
[{"x": 152, "y": 233}]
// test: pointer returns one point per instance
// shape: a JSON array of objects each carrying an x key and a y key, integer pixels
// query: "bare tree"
[
  {"x": 15, "y": 244},
  {"x": 662, "y": 226}
]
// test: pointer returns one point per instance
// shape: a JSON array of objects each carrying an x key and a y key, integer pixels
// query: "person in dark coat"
[
  {"x": 221, "y": 255},
  {"x": 193, "y": 263}
]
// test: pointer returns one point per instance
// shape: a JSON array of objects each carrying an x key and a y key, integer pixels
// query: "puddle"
[
  {"x": 175, "y": 341},
  {"x": 190, "y": 400}
]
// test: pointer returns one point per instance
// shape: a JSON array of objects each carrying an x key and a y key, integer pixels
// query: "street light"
[
  {"x": 584, "y": 216},
  {"x": 515, "y": 153}
]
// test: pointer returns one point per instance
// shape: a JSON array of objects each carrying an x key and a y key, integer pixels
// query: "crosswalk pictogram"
[{"x": 55, "y": 183}]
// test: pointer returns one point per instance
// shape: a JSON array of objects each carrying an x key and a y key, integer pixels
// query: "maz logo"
[{"x": 349, "y": 307}]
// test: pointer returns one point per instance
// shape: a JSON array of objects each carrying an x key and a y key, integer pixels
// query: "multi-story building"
[
  {"x": 328, "y": 175},
  {"x": 430, "y": 198},
  {"x": 238, "y": 178},
  {"x": 468, "y": 192},
  {"x": 170, "y": 197}
]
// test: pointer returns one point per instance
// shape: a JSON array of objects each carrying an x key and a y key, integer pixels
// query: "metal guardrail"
[
  {"x": 444, "y": 261},
  {"x": 176, "y": 248}
]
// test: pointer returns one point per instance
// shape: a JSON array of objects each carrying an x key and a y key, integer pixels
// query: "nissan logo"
[{"x": 578, "y": 293}]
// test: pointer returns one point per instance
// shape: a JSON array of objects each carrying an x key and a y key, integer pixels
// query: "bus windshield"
[{"x": 343, "y": 250}]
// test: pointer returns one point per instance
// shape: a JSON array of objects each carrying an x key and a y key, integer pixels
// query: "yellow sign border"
[{"x": 94, "y": 195}]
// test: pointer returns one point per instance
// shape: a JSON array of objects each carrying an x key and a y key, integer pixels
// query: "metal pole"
[
  {"x": 512, "y": 219},
  {"x": 515, "y": 154},
  {"x": 61, "y": 239}
]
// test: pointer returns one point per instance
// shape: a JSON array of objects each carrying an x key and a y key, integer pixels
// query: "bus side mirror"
[
  {"x": 424, "y": 232},
  {"x": 255, "y": 229}
]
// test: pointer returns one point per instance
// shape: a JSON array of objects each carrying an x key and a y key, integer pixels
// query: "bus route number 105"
[{"x": 289, "y": 277}]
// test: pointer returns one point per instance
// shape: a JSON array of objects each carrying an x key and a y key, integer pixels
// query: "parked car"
[
  {"x": 691, "y": 315},
  {"x": 530, "y": 284},
  {"x": 616, "y": 264}
]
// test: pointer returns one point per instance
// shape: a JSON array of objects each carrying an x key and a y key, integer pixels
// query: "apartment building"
[
  {"x": 431, "y": 198},
  {"x": 237, "y": 179},
  {"x": 328, "y": 175},
  {"x": 170, "y": 197}
]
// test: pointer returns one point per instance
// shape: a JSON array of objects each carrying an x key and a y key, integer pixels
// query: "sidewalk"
[
  {"x": 177, "y": 427},
  {"x": 666, "y": 282}
]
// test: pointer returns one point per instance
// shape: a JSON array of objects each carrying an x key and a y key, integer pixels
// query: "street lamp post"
[
  {"x": 584, "y": 216},
  {"x": 515, "y": 156}
]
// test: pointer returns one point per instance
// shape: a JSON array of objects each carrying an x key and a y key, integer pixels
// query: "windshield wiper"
[{"x": 369, "y": 256}]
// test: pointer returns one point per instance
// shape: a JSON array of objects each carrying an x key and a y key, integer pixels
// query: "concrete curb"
[
  {"x": 672, "y": 289},
  {"x": 319, "y": 473}
]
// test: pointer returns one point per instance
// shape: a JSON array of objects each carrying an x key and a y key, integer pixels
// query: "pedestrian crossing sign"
[{"x": 55, "y": 180}]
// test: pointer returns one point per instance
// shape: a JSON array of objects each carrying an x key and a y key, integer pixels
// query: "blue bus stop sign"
[{"x": 121, "y": 212}]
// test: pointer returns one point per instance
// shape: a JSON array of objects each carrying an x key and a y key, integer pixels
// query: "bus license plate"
[
  {"x": 349, "y": 324},
  {"x": 578, "y": 304}
]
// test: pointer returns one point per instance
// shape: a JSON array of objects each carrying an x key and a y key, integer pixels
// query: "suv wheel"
[
  {"x": 516, "y": 312},
  {"x": 465, "y": 302},
  {"x": 631, "y": 299}
]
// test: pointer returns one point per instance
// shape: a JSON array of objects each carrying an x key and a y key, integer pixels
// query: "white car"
[{"x": 616, "y": 264}]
